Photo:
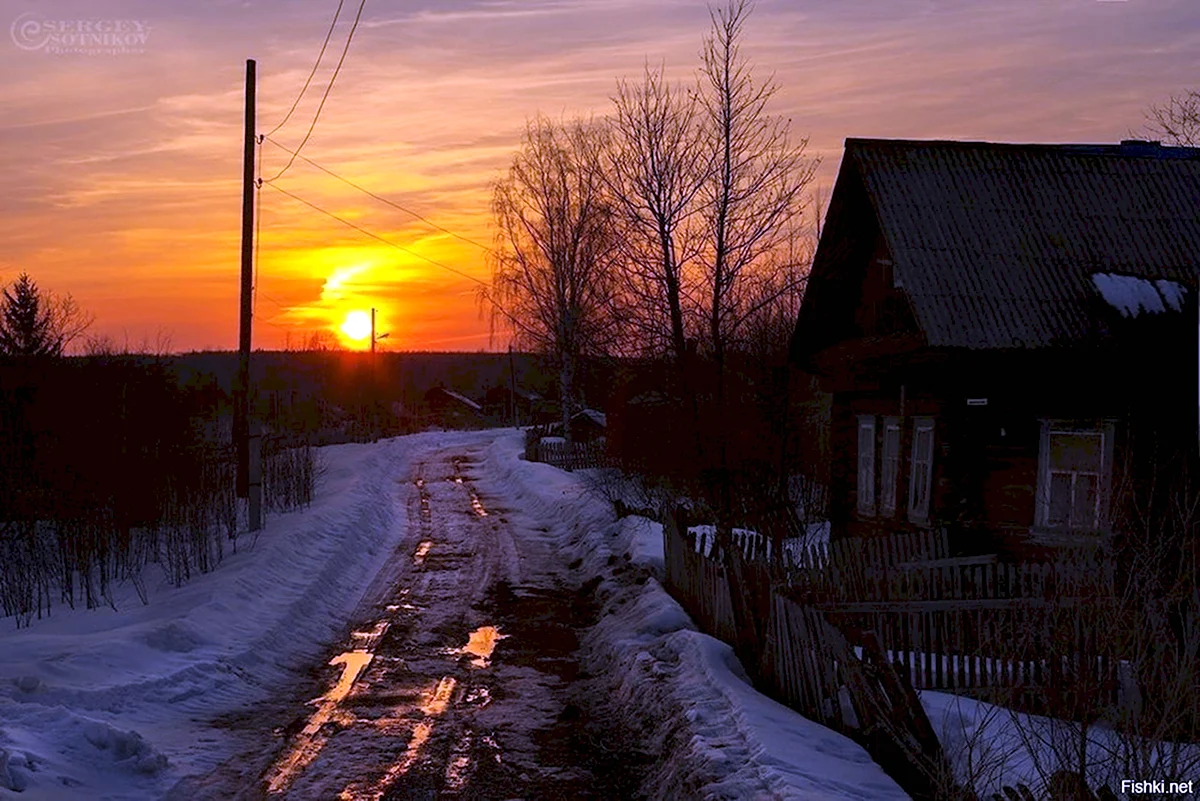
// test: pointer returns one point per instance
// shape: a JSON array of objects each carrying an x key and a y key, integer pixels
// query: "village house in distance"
[{"x": 1008, "y": 334}]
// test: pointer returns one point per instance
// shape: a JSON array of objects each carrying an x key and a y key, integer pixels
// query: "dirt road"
[{"x": 457, "y": 677}]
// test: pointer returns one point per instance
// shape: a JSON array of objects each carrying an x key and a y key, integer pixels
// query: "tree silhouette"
[
  {"x": 25, "y": 321},
  {"x": 35, "y": 323}
]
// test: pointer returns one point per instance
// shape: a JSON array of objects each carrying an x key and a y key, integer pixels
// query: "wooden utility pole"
[
  {"x": 246, "y": 433},
  {"x": 375, "y": 337}
]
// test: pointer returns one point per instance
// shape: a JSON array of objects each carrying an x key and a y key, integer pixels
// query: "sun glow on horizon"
[{"x": 357, "y": 325}]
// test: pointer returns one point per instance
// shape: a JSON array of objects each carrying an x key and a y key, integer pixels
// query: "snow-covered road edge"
[{"x": 711, "y": 734}]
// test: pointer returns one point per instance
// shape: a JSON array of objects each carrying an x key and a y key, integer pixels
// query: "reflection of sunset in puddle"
[
  {"x": 422, "y": 551},
  {"x": 311, "y": 740},
  {"x": 481, "y": 645},
  {"x": 433, "y": 706}
]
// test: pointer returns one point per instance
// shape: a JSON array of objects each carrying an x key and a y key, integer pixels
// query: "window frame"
[
  {"x": 1049, "y": 427},
  {"x": 916, "y": 514},
  {"x": 865, "y": 502}
]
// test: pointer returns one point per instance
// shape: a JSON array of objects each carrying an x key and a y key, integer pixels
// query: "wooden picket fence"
[
  {"x": 852, "y": 629},
  {"x": 957, "y": 623},
  {"x": 579, "y": 456},
  {"x": 805, "y": 661}
]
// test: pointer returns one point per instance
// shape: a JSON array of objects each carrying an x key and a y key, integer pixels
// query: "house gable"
[{"x": 852, "y": 291}]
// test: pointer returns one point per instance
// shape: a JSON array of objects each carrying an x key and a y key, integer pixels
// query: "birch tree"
[
  {"x": 655, "y": 169},
  {"x": 552, "y": 275},
  {"x": 754, "y": 194}
]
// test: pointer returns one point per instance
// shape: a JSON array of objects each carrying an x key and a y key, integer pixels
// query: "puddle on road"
[
  {"x": 433, "y": 707},
  {"x": 312, "y": 739},
  {"x": 481, "y": 644},
  {"x": 422, "y": 552},
  {"x": 369, "y": 638}
]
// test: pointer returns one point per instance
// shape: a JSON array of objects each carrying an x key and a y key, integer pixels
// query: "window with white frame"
[
  {"x": 1074, "y": 468},
  {"x": 889, "y": 466},
  {"x": 920, "y": 481},
  {"x": 866, "y": 464}
]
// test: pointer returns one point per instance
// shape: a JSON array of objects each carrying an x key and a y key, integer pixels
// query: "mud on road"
[{"x": 459, "y": 677}]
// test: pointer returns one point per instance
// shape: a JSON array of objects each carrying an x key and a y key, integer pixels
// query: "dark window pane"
[
  {"x": 1059, "y": 512},
  {"x": 1076, "y": 451},
  {"x": 1083, "y": 515}
]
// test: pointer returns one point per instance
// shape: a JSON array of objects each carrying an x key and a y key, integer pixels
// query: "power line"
[
  {"x": 380, "y": 198},
  {"x": 378, "y": 237},
  {"x": 320, "y": 55},
  {"x": 487, "y": 289},
  {"x": 277, "y": 303},
  {"x": 257, "y": 222},
  {"x": 328, "y": 89}
]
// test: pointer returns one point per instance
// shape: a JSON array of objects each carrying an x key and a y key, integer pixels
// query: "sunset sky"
[{"x": 120, "y": 172}]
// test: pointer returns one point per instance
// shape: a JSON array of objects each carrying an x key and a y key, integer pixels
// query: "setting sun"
[{"x": 357, "y": 325}]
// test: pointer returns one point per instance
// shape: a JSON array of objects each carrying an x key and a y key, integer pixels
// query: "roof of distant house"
[
  {"x": 1007, "y": 245},
  {"x": 593, "y": 416},
  {"x": 460, "y": 398}
]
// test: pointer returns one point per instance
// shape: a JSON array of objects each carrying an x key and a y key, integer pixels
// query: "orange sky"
[{"x": 121, "y": 171}]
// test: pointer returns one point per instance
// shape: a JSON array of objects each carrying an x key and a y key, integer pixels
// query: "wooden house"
[
  {"x": 452, "y": 409},
  {"x": 1009, "y": 336}
]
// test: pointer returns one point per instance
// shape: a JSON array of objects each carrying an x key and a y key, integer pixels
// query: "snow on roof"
[
  {"x": 596, "y": 417},
  {"x": 462, "y": 399},
  {"x": 1131, "y": 295}
]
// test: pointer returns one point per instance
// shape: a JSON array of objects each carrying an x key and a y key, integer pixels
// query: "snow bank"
[
  {"x": 712, "y": 734},
  {"x": 118, "y": 703}
]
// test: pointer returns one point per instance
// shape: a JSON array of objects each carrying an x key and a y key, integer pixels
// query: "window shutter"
[
  {"x": 866, "y": 465},
  {"x": 889, "y": 466},
  {"x": 921, "y": 477}
]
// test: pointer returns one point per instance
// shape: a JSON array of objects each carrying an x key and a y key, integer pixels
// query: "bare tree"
[
  {"x": 552, "y": 274},
  {"x": 755, "y": 192},
  {"x": 655, "y": 168},
  {"x": 751, "y": 200},
  {"x": 1178, "y": 120}
]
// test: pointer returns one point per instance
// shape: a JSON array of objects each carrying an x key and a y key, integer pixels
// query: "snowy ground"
[{"x": 123, "y": 704}]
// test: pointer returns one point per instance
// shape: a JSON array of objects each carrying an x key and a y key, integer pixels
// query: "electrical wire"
[
  {"x": 487, "y": 289},
  {"x": 325, "y": 96},
  {"x": 276, "y": 302},
  {"x": 257, "y": 226},
  {"x": 380, "y": 198},
  {"x": 320, "y": 55}
]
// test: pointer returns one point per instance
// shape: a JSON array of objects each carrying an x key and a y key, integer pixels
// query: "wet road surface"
[{"x": 458, "y": 678}]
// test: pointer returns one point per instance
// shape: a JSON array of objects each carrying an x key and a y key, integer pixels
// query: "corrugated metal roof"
[{"x": 995, "y": 244}]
